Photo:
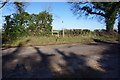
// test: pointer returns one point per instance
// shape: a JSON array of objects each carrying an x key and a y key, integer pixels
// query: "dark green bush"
[
  {"x": 85, "y": 31},
  {"x": 102, "y": 30},
  {"x": 75, "y": 32},
  {"x": 13, "y": 33},
  {"x": 96, "y": 32}
]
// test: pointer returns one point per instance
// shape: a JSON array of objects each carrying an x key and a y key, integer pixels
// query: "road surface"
[{"x": 93, "y": 60}]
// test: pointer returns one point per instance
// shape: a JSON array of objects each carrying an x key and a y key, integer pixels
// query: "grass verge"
[{"x": 52, "y": 40}]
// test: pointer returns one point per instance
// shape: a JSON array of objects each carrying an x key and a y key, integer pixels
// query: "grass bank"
[{"x": 53, "y": 40}]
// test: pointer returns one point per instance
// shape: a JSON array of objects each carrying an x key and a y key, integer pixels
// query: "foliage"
[
  {"x": 0, "y": 33},
  {"x": 76, "y": 32},
  {"x": 41, "y": 21},
  {"x": 20, "y": 6},
  {"x": 18, "y": 25},
  {"x": 14, "y": 24},
  {"x": 96, "y": 32},
  {"x": 86, "y": 31}
]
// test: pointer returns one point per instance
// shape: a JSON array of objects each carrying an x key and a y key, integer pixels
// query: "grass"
[
  {"x": 56, "y": 31},
  {"x": 53, "y": 40}
]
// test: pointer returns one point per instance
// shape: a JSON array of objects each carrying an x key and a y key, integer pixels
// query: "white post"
[
  {"x": 63, "y": 30},
  {"x": 58, "y": 34},
  {"x": 52, "y": 30}
]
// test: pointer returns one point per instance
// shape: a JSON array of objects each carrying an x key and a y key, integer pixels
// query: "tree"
[
  {"x": 21, "y": 19},
  {"x": 41, "y": 21},
  {"x": 103, "y": 10},
  {"x": 20, "y": 6},
  {"x": 45, "y": 20},
  {"x": 13, "y": 27},
  {"x": 14, "y": 24}
]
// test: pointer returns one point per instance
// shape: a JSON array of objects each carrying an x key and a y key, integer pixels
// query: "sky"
[{"x": 61, "y": 12}]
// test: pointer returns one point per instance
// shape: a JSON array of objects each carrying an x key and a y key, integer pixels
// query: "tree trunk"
[
  {"x": 119, "y": 31},
  {"x": 109, "y": 26},
  {"x": 110, "y": 23},
  {"x": 110, "y": 20},
  {"x": 119, "y": 27}
]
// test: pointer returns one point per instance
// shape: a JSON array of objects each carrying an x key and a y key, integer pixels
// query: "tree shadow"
[
  {"x": 27, "y": 66},
  {"x": 21, "y": 44},
  {"x": 104, "y": 42},
  {"x": 75, "y": 64},
  {"x": 101, "y": 42},
  {"x": 110, "y": 61},
  {"x": 10, "y": 62},
  {"x": 44, "y": 69},
  {"x": 76, "y": 67}
]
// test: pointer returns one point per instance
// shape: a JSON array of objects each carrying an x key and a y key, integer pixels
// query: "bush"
[
  {"x": 86, "y": 31},
  {"x": 0, "y": 33},
  {"x": 76, "y": 32},
  {"x": 102, "y": 30},
  {"x": 73, "y": 32},
  {"x": 11, "y": 34},
  {"x": 96, "y": 32}
]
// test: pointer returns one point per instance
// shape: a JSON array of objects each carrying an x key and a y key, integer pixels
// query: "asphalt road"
[{"x": 93, "y": 60}]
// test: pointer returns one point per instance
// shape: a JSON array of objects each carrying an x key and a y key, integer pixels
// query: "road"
[{"x": 79, "y": 60}]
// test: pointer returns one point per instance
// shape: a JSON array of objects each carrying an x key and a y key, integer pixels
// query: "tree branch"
[
  {"x": 101, "y": 14},
  {"x": 3, "y": 4},
  {"x": 89, "y": 11}
]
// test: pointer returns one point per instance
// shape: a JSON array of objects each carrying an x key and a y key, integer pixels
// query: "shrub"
[
  {"x": 11, "y": 34},
  {"x": 85, "y": 31},
  {"x": 96, "y": 32},
  {"x": 76, "y": 32}
]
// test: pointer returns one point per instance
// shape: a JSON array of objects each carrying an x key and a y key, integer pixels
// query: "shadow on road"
[
  {"x": 44, "y": 70},
  {"x": 10, "y": 62},
  {"x": 104, "y": 42},
  {"x": 110, "y": 61},
  {"x": 21, "y": 44},
  {"x": 76, "y": 66},
  {"x": 39, "y": 64}
]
